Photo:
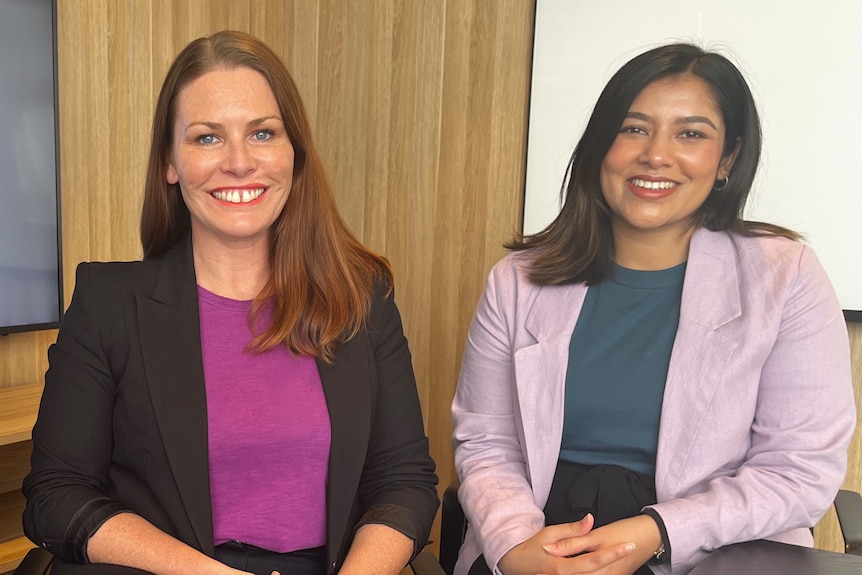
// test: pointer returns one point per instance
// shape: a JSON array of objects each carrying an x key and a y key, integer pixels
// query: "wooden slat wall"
[
  {"x": 419, "y": 108},
  {"x": 827, "y": 535}
]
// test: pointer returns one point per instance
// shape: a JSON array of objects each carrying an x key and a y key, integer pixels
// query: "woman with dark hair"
[
  {"x": 652, "y": 376},
  {"x": 243, "y": 399}
]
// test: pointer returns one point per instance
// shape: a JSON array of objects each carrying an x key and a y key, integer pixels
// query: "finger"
[
  {"x": 583, "y": 526},
  {"x": 594, "y": 560},
  {"x": 566, "y": 532}
]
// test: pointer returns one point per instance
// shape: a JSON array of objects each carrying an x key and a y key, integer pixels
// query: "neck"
[
  {"x": 233, "y": 271},
  {"x": 651, "y": 250}
]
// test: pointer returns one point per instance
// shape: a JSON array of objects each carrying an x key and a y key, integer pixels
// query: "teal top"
[{"x": 618, "y": 363}]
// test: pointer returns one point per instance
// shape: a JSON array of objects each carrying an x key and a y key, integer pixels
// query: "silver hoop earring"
[{"x": 722, "y": 186}]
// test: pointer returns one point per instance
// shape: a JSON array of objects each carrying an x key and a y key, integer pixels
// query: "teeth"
[
  {"x": 238, "y": 196},
  {"x": 653, "y": 185}
]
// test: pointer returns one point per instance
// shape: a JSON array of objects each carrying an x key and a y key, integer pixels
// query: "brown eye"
[{"x": 632, "y": 130}]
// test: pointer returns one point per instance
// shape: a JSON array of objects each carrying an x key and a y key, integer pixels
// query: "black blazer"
[{"x": 123, "y": 424}]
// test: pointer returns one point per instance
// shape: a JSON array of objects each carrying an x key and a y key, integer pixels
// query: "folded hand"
[
  {"x": 641, "y": 531},
  {"x": 565, "y": 549}
]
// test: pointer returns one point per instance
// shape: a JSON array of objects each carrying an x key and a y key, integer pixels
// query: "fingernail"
[
  {"x": 549, "y": 546},
  {"x": 630, "y": 547}
]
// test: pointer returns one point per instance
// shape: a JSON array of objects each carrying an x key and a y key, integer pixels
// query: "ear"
[
  {"x": 171, "y": 176},
  {"x": 726, "y": 163}
]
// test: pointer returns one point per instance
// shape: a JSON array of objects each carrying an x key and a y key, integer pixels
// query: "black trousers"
[
  {"x": 262, "y": 562},
  {"x": 609, "y": 492}
]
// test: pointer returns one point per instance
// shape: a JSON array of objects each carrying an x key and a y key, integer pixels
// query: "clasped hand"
[{"x": 615, "y": 549}]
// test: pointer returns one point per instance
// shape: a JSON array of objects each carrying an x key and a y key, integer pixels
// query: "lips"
[
  {"x": 651, "y": 185},
  {"x": 238, "y": 195},
  {"x": 651, "y": 189}
]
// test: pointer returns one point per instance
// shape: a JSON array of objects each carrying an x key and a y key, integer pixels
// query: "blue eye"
[
  {"x": 262, "y": 135},
  {"x": 206, "y": 139}
]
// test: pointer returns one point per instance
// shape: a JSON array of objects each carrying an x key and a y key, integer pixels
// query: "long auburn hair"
[
  {"x": 578, "y": 246},
  {"x": 322, "y": 278}
]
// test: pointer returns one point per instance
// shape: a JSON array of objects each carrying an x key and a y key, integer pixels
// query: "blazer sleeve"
[
  {"x": 804, "y": 420},
  {"x": 72, "y": 438},
  {"x": 495, "y": 491},
  {"x": 397, "y": 487}
]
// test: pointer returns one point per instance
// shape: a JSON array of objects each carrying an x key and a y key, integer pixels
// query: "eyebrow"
[
  {"x": 217, "y": 126},
  {"x": 678, "y": 121}
]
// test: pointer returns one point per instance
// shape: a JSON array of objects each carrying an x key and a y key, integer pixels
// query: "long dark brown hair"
[
  {"x": 322, "y": 278},
  {"x": 578, "y": 246}
]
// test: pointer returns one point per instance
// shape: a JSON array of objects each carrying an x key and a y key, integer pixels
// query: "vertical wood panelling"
[
  {"x": 419, "y": 108},
  {"x": 129, "y": 67},
  {"x": 444, "y": 324},
  {"x": 827, "y": 534},
  {"x": 415, "y": 115}
]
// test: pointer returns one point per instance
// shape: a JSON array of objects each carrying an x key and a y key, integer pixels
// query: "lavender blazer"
[{"x": 757, "y": 415}]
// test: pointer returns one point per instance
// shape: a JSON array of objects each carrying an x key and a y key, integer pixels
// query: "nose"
[
  {"x": 656, "y": 152},
  {"x": 239, "y": 159}
]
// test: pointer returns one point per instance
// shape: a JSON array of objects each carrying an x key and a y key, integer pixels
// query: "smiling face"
[
  {"x": 665, "y": 159},
  {"x": 231, "y": 157}
]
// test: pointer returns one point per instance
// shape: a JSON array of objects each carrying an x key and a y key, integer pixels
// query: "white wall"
[{"x": 803, "y": 61}]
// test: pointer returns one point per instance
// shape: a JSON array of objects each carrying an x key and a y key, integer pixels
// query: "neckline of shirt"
[
  {"x": 212, "y": 299},
  {"x": 648, "y": 279}
]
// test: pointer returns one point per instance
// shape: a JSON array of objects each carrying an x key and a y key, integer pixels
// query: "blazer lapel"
[
  {"x": 540, "y": 379},
  {"x": 710, "y": 301},
  {"x": 171, "y": 348}
]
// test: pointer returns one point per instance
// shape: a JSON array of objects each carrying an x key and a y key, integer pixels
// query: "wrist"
[{"x": 661, "y": 552}]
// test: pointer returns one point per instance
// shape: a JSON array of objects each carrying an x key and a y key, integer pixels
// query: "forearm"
[
  {"x": 377, "y": 550},
  {"x": 130, "y": 540}
]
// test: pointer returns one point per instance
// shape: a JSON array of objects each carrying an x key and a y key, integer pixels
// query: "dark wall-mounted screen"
[{"x": 30, "y": 270}]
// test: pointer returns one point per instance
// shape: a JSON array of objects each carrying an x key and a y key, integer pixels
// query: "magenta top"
[{"x": 269, "y": 435}]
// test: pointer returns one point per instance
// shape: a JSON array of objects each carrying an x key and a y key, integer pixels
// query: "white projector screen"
[{"x": 803, "y": 61}]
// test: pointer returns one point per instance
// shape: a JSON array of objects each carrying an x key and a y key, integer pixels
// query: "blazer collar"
[
  {"x": 710, "y": 294},
  {"x": 554, "y": 311},
  {"x": 176, "y": 283},
  {"x": 171, "y": 348}
]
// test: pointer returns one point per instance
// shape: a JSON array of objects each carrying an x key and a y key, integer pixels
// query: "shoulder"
[
  {"x": 106, "y": 278},
  {"x": 509, "y": 277},
  {"x": 174, "y": 270},
  {"x": 512, "y": 267},
  {"x": 510, "y": 286},
  {"x": 771, "y": 273},
  {"x": 776, "y": 249},
  {"x": 777, "y": 261},
  {"x": 759, "y": 256},
  {"x": 383, "y": 316},
  {"x": 117, "y": 270},
  {"x": 107, "y": 275}
]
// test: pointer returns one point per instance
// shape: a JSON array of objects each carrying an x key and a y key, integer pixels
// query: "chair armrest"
[
  {"x": 453, "y": 526},
  {"x": 426, "y": 564},
  {"x": 36, "y": 562},
  {"x": 848, "y": 506}
]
